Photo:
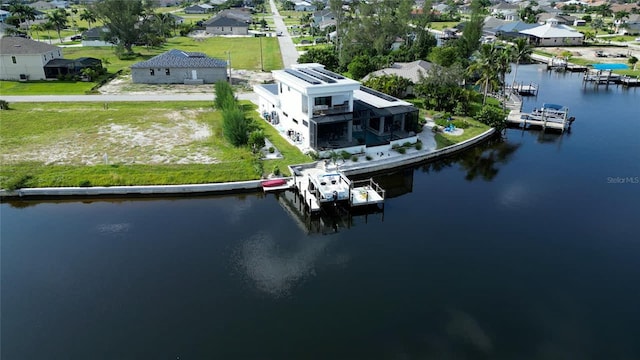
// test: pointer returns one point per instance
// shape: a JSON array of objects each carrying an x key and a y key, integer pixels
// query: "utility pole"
[{"x": 261, "y": 61}]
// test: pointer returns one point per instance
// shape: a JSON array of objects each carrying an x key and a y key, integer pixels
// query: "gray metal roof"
[
  {"x": 180, "y": 59},
  {"x": 225, "y": 20},
  {"x": 10, "y": 45}
]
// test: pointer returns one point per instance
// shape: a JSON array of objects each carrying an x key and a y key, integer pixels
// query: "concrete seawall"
[{"x": 238, "y": 186}]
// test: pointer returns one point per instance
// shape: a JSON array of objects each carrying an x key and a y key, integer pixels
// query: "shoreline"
[{"x": 233, "y": 187}]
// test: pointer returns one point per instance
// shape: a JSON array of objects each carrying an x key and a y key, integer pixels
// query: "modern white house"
[
  {"x": 553, "y": 34},
  {"x": 25, "y": 59},
  {"x": 321, "y": 110},
  {"x": 304, "y": 6}
]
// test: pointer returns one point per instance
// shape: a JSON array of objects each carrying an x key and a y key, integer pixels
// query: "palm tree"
[
  {"x": 164, "y": 22},
  {"x": 502, "y": 62},
  {"x": 633, "y": 61},
  {"x": 59, "y": 20},
  {"x": 597, "y": 24},
  {"x": 521, "y": 52},
  {"x": 88, "y": 16},
  {"x": 485, "y": 67}
]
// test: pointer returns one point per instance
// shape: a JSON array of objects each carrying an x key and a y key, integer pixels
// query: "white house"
[
  {"x": 24, "y": 59},
  {"x": 553, "y": 34},
  {"x": 323, "y": 111},
  {"x": 304, "y": 6}
]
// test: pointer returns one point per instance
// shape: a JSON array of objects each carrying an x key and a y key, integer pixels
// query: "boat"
[
  {"x": 549, "y": 112},
  {"x": 329, "y": 186},
  {"x": 273, "y": 183}
]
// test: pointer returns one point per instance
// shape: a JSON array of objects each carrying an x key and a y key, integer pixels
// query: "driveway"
[{"x": 287, "y": 48}]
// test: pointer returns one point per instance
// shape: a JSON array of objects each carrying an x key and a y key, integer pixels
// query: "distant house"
[
  {"x": 25, "y": 59},
  {"x": 629, "y": 25},
  {"x": 224, "y": 25},
  {"x": 411, "y": 71},
  {"x": 243, "y": 15},
  {"x": 43, "y": 5},
  {"x": 506, "y": 11},
  {"x": 304, "y": 6},
  {"x": 512, "y": 29},
  {"x": 323, "y": 18},
  {"x": 6, "y": 29},
  {"x": 4, "y": 14},
  {"x": 560, "y": 19},
  {"x": 179, "y": 67},
  {"x": 198, "y": 9},
  {"x": 553, "y": 34},
  {"x": 177, "y": 19},
  {"x": 95, "y": 37}
]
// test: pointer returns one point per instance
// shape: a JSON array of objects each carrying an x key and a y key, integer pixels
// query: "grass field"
[
  {"x": 476, "y": 128},
  {"x": 244, "y": 53},
  {"x": 63, "y": 144}
]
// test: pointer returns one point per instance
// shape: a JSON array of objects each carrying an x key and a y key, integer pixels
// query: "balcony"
[{"x": 322, "y": 110}]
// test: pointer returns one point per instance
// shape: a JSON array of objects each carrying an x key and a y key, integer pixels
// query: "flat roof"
[{"x": 378, "y": 99}]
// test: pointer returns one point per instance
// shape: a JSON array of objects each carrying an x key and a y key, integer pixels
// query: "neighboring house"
[
  {"x": 553, "y": 34},
  {"x": 43, "y": 5},
  {"x": 223, "y": 25},
  {"x": 61, "y": 67},
  {"x": 491, "y": 23},
  {"x": 25, "y": 59},
  {"x": 95, "y": 37},
  {"x": 4, "y": 14},
  {"x": 60, "y": 4},
  {"x": 323, "y": 18},
  {"x": 6, "y": 29},
  {"x": 504, "y": 10},
  {"x": 512, "y": 29},
  {"x": 629, "y": 25},
  {"x": 440, "y": 8},
  {"x": 561, "y": 19},
  {"x": 324, "y": 111},
  {"x": 179, "y": 67},
  {"x": 304, "y": 6},
  {"x": 238, "y": 14},
  {"x": 198, "y": 9},
  {"x": 177, "y": 19},
  {"x": 411, "y": 71}
]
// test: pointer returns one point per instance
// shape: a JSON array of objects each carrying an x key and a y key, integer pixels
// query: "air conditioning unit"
[{"x": 24, "y": 77}]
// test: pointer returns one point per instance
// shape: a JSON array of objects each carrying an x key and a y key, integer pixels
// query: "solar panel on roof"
[
  {"x": 378, "y": 94},
  {"x": 302, "y": 76},
  {"x": 317, "y": 76},
  {"x": 330, "y": 74}
]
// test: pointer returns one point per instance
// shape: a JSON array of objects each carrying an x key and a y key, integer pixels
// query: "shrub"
[
  {"x": 492, "y": 116},
  {"x": 18, "y": 182},
  {"x": 407, "y": 144},
  {"x": 85, "y": 183},
  {"x": 313, "y": 155},
  {"x": 4, "y": 105},
  {"x": 354, "y": 158},
  {"x": 402, "y": 150},
  {"x": 368, "y": 157},
  {"x": 256, "y": 140},
  {"x": 345, "y": 155},
  {"x": 235, "y": 126},
  {"x": 224, "y": 96},
  {"x": 419, "y": 145},
  {"x": 271, "y": 149},
  {"x": 276, "y": 170}
]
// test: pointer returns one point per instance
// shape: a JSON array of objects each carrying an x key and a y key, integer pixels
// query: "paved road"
[
  {"x": 253, "y": 97},
  {"x": 287, "y": 47}
]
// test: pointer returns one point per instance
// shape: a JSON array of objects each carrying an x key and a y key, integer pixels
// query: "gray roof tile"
[
  {"x": 180, "y": 59},
  {"x": 21, "y": 46}
]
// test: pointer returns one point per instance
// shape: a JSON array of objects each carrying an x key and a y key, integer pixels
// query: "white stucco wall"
[{"x": 31, "y": 65}]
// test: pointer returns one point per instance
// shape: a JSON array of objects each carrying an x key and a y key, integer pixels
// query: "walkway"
[{"x": 287, "y": 47}]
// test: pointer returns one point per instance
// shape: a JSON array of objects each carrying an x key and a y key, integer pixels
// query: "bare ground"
[{"x": 175, "y": 140}]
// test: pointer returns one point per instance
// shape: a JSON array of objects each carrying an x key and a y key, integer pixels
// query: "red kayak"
[{"x": 274, "y": 182}]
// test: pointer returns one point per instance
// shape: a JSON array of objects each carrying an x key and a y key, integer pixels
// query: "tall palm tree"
[
  {"x": 485, "y": 67},
  {"x": 58, "y": 19},
  {"x": 88, "y": 16},
  {"x": 502, "y": 62},
  {"x": 521, "y": 52}
]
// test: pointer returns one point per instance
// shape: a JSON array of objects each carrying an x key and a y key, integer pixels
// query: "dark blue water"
[{"x": 527, "y": 248}]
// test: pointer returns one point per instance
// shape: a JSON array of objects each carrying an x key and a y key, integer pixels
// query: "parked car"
[{"x": 76, "y": 37}]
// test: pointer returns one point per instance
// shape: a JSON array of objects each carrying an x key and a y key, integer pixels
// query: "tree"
[
  {"x": 235, "y": 127},
  {"x": 393, "y": 85},
  {"x": 288, "y": 5},
  {"x": 589, "y": 36},
  {"x": 88, "y": 16},
  {"x": 224, "y": 96},
  {"x": 633, "y": 61},
  {"x": 597, "y": 24},
  {"x": 469, "y": 42},
  {"x": 121, "y": 17},
  {"x": 521, "y": 52},
  {"x": 445, "y": 55},
  {"x": 58, "y": 19},
  {"x": 441, "y": 87},
  {"x": 256, "y": 141},
  {"x": 360, "y": 66},
  {"x": 485, "y": 68},
  {"x": 325, "y": 56}
]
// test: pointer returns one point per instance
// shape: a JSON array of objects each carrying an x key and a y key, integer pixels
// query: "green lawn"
[
  {"x": 244, "y": 53},
  {"x": 476, "y": 128},
  {"x": 444, "y": 25},
  {"x": 37, "y": 130}
]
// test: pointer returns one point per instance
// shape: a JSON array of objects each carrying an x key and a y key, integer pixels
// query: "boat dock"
[
  {"x": 524, "y": 120},
  {"x": 360, "y": 192},
  {"x": 525, "y": 90}
]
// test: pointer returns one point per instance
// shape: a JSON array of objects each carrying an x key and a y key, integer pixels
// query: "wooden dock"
[
  {"x": 525, "y": 90},
  {"x": 629, "y": 81}
]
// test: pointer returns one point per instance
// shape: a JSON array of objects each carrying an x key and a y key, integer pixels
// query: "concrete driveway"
[{"x": 287, "y": 47}]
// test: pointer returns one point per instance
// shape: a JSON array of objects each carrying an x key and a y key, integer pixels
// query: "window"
[
  {"x": 305, "y": 123},
  {"x": 295, "y": 121},
  {"x": 285, "y": 114},
  {"x": 167, "y": 72},
  {"x": 323, "y": 100},
  {"x": 13, "y": 59},
  {"x": 152, "y": 72}
]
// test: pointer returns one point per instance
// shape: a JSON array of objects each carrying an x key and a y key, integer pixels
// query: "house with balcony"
[{"x": 324, "y": 111}]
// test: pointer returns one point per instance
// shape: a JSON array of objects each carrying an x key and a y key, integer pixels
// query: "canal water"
[{"x": 525, "y": 248}]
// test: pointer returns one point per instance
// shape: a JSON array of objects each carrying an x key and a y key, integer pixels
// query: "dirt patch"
[
  {"x": 242, "y": 80},
  {"x": 617, "y": 54},
  {"x": 177, "y": 139}
]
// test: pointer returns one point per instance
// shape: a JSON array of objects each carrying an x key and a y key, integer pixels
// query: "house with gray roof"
[
  {"x": 179, "y": 67},
  {"x": 553, "y": 34},
  {"x": 25, "y": 59},
  {"x": 223, "y": 24},
  {"x": 198, "y": 9},
  {"x": 411, "y": 71}
]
